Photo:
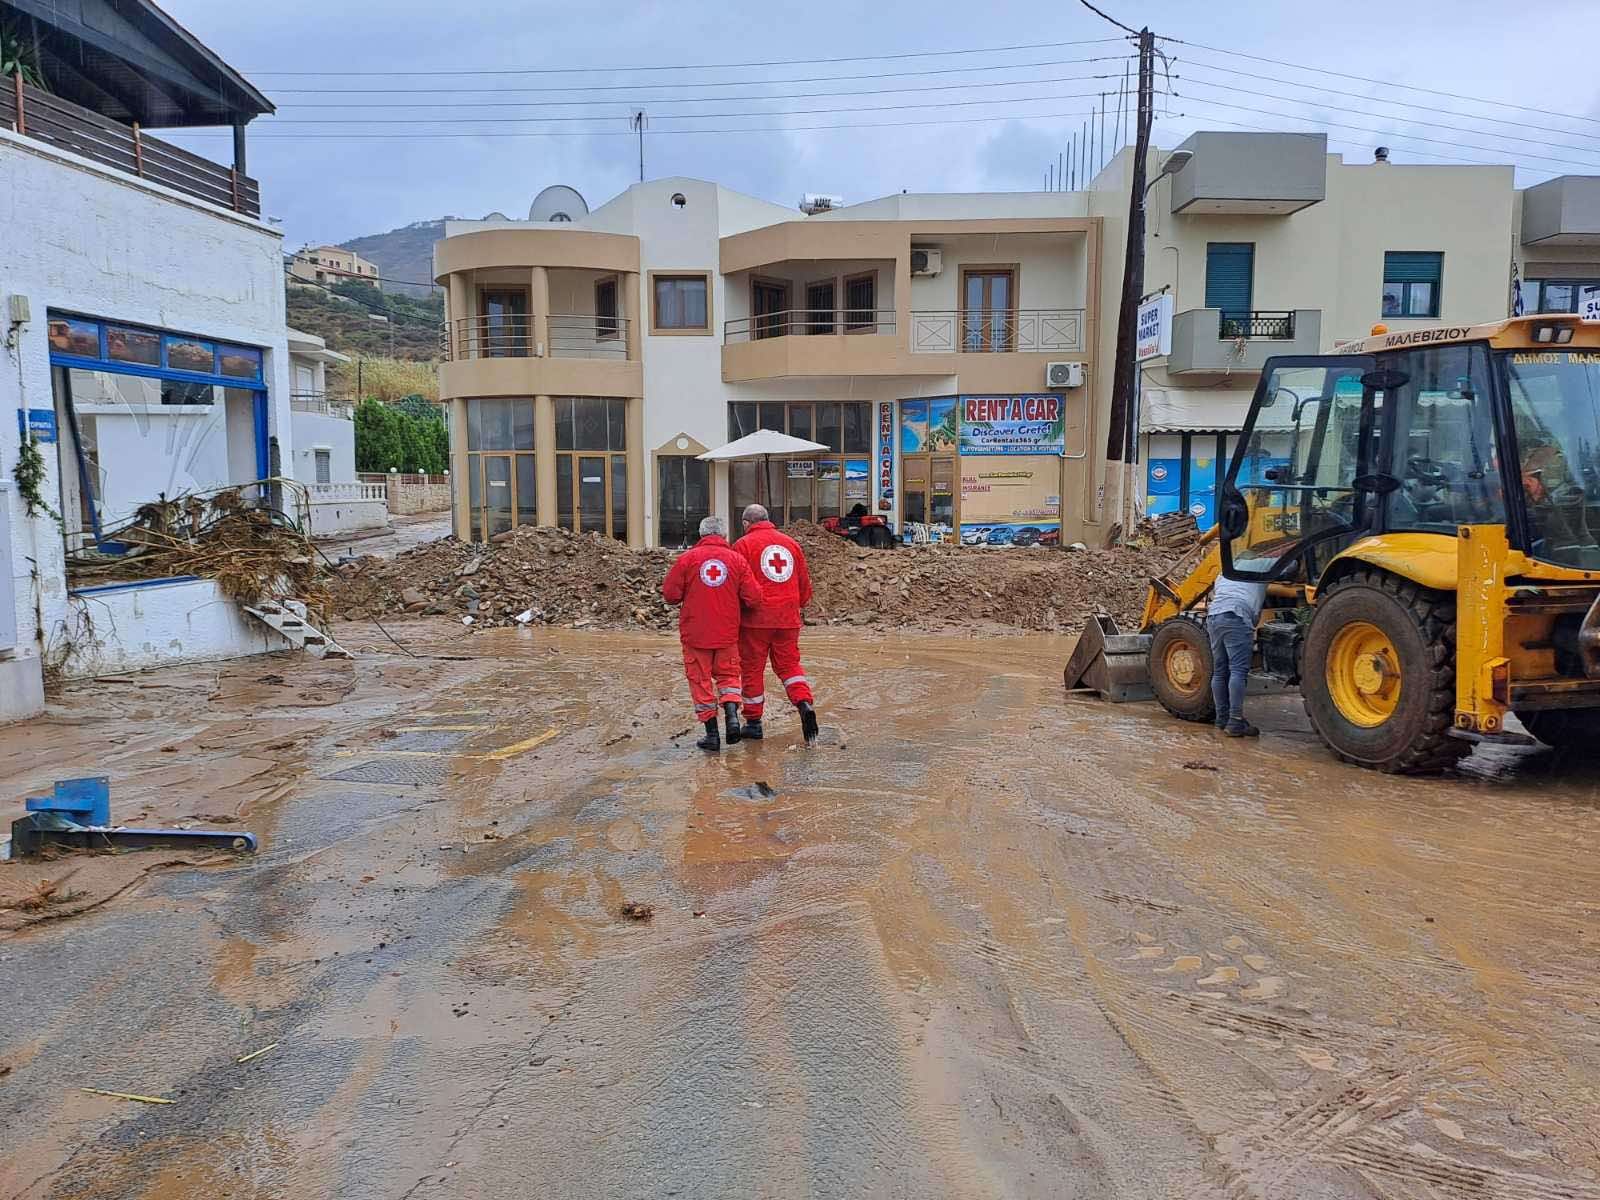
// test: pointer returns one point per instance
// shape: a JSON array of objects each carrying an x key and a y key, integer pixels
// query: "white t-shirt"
[{"x": 1244, "y": 600}]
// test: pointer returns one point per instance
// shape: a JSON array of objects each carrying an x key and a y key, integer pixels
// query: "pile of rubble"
[{"x": 554, "y": 577}]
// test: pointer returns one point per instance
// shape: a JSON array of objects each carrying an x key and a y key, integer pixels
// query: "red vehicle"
[{"x": 862, "y": 528}]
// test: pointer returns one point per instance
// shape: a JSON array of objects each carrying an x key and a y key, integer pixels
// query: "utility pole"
[
  {"x": 638, "y": 122},
  {"x": 1120, "y": 446}
]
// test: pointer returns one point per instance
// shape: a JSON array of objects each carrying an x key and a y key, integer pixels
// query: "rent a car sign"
[{"x": 1029, "y": 424}]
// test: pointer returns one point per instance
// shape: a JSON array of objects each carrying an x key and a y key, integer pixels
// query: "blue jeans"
[{"x": 1231, "y": 640}]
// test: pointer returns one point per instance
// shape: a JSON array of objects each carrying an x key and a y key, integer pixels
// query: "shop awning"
[{"x": 1195, "y": 410}]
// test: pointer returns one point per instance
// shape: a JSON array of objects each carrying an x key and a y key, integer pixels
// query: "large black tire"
[
  {"x": 1420, "y": 626},
  {"x": 879, "y": 537},
  {"x": 1180, "y": 669},
  {"x": 1565, "y": 728}
]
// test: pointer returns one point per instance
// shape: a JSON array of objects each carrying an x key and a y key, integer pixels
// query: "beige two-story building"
[
  {"x": 1268, "y": 245},
  {"x": 330, "y": 264},
  {"x": 940, "y": 349}
]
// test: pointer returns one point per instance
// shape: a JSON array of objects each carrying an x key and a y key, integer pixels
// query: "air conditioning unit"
[
  {"x": 1063, "y": 375},
  {"x": 926, "y": 260}
]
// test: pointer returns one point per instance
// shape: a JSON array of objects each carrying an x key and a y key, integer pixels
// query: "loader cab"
[{"x": 1339, "y": 447}]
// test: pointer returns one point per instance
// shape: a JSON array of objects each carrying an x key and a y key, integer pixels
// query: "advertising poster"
[
  {"x": 1022, "y": 425},
  {"x": 857, "y": 480},
  {"x": 1011, "y": 501},
  {"x": 928, "y": 426}
]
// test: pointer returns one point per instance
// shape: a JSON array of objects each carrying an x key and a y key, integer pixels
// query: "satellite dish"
[
  {"x": 497, "y": 216},
  {"x": 558, "y": 202}
]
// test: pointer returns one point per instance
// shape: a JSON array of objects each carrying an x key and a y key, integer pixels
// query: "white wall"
[
  {"x": 313, "y": 432},
  {"x": 84, "y": 238},
  {"x": 128, "y": 628},
  {"x": 1052, "y": 269}
]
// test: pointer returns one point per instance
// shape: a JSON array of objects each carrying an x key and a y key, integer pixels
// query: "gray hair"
[
  {"x": 753, "y": 513},
  {"x": 713, "y": 525}
]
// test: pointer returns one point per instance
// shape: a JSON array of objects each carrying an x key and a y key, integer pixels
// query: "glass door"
[
  {"x": 988, "y": 298},
  {"x": 591, "y": 494},
  {"x": 505, "y": 323},
  {"x": 942, "y": 493},
  {"x": 769, "y": 302},
  {"x": 914, "y": 489},
  {"x": 499, "y": 498}
]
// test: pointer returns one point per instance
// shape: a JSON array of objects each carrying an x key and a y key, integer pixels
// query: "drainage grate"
[
  {"x": 429, "y": 739},
  {"x": 395, "y": 770}
]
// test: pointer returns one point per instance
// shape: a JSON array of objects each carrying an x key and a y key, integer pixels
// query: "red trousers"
[
  {"x": 713, "y": 678},
  {"x": 782, "y": 647}
]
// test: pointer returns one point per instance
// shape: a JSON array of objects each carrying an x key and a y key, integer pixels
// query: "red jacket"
[
  {"x": 711, "y": 582},
  {"x": 779, "y": 568}
]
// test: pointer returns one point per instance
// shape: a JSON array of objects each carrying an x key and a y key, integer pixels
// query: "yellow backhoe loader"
[{"x": 1425, "y": 506}]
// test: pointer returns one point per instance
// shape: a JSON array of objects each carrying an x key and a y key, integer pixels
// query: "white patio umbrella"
[{"x": 764, "y": 444}]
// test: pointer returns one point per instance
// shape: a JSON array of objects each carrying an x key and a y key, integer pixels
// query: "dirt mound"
[{"x": 554, "y": 577}]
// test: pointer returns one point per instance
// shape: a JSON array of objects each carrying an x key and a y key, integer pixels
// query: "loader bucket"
[{"x": 1110, "y": 662}]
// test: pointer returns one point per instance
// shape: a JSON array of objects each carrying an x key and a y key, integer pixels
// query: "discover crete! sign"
[{"x": 1012, "y": 424}]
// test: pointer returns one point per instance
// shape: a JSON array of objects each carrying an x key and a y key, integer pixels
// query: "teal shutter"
[
  {"x": 1413, "y": 266},
  {"x": 1230, "y": 267}
]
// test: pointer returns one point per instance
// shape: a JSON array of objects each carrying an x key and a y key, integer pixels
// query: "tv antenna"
[{"x": 637, "y": 123}]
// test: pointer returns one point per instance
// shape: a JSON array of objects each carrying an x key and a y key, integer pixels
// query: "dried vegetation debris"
[{"x": 538, "y": 575}]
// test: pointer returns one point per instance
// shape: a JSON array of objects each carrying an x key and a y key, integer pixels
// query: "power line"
[
  {"x": 1388, "y": 83},
  {"x": 791, "y": 112},
  {"x": 1191, "y": 64},
  {"x": 1401, "y": 119},
  {"x": 1386, "y": 133},
  {"x": 633, "y": 88},
  {"x": 808, "y": 95},
  {"x": 461, "y": 135},
  {"x": 788, "y": 62},
  {"x": 1104, "y": 17}
]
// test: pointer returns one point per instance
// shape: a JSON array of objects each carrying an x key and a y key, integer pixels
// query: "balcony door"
[
  {"x": 988, "y": 308},
  {"x": 505, "y": 322},
  {"x": 769, "y": 305}
]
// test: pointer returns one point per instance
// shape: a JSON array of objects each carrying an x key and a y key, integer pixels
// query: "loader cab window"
[
  {"x": 1555, "y": 412},
  {"x": 1442, "y": 444},
  {"x": 1273, "y": 506}
]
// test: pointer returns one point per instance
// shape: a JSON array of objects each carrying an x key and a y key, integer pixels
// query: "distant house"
[
  {"x": 330, "y": 264},
  {"x": 325, "y": 445},
  {"x": 142, "y": 296}
]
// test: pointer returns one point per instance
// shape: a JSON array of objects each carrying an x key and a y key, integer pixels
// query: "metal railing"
[
  {"x": 588, "y": 337},
  {"x": 972, "y": 331},
  {"x": 571, "y": 336},
  {"x": 46, "y": 118},
  {"x": 1279, "y": 325},
  {"x": 803, "y": 322},
  {"x": 320, "y": 404}
]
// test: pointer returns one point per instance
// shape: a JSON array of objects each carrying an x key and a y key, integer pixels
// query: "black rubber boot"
[
  {"x": 712, "y": 741},
  {"x": 730, "y": 718},
  {"x": 808, "y": 722},
  {"x": 752, "y": 731}
]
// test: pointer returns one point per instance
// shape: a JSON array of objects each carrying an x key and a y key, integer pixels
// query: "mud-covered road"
[{"x": 983, "y": 941}]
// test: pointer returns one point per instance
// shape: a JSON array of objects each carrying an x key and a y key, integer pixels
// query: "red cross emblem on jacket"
[{"x": 779, "y": 569}]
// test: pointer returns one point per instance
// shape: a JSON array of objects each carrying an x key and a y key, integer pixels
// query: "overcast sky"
[{"x": 329, "y": 189}]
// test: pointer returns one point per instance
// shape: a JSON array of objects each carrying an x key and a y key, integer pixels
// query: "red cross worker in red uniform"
[
  {"x": 711, "y": 582},
  {"x": 771, "y": 628}
]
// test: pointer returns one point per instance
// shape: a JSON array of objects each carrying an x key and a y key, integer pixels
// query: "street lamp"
[{"x": 1176, "y": 161}]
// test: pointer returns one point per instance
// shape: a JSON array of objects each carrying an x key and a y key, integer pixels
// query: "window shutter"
[
  {"x": 1412, "y": 266},
  {"x": 1229, "y": 268}
]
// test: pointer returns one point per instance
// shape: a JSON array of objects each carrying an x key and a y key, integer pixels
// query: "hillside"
[
  {"x": 347, "y": 325},
  {"x": 402, "y": 254}
]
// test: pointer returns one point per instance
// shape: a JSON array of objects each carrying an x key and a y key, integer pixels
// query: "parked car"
[
  {"x": 1050, "y": 537},
  {"x": 974, "y": 536},
  {"x": 1000, "y": 535},
  {"x": 1028, "y": 535}
]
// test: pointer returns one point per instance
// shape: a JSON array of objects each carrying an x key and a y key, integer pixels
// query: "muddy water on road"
[{"x": 982, "y": 941}]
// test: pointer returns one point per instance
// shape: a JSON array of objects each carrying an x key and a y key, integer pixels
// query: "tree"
[{"x": 389, "y": 438}]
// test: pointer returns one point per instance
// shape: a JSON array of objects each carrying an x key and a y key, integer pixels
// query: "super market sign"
[{"x": 1031, "y": 424}]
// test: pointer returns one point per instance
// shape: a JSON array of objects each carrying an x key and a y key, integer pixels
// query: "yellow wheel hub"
[
  {"x": 1364, "y": 674},
  {"x": 1182, "y": 667}
]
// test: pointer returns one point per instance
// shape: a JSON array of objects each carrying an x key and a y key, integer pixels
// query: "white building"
[
  {"x": 146, "y": 338},
  {"x": 325, "y": 445}
]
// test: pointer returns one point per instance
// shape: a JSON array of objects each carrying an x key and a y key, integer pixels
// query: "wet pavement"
[{"x": 984, "y": 940}]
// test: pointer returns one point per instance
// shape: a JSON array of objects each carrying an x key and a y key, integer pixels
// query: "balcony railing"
[
  {"x": 803, "y": 322},
  {"x": 46, "y": 118},
  {"x": 1023, "y": 331},
  {"x": 332, "y": 493},
  {"x": 571, "y": 336},
  {"x": 319, "y": 403},
  {"x": 1278, "y": 325}
]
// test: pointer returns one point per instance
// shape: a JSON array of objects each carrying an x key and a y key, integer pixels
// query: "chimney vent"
[{"x": 1381, "y": 154}]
